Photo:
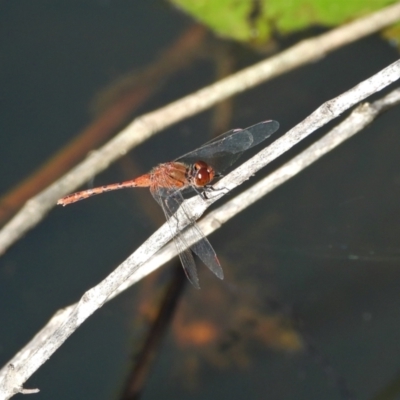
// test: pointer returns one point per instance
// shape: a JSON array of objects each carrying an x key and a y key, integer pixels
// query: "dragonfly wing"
[
  {"x": 262, "y": 131},
  {"x": 188, "y": 262},
  {"x": 203, "y": 249},
  {"x": 191, "y": 234},
  {"x": 185, "y": 255},
  {"x": 225, "y": 149},
  {"x": 221, "y": 153}
]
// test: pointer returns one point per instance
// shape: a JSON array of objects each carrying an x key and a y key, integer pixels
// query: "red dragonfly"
[{"x": 190, "y": 174}]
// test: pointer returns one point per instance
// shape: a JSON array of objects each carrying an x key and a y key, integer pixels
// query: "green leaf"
[{"x": 253, "y": 20}]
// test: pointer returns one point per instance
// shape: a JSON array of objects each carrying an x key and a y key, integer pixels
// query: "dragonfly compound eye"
[{"x": 203, "y": 173}]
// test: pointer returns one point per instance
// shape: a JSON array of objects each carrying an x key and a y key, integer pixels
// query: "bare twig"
[
  {"x": 145, "y": 126},
  {"x": 114, "y": 107},
  {"x": 361, "y": 117},
  {"x": 64, "y": 323}
]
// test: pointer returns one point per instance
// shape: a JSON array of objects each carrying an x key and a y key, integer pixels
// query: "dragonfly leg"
[{"x": 209, "y": 189}]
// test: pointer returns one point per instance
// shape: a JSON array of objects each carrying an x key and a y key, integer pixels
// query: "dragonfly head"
[{"x": 201, "y": 174}]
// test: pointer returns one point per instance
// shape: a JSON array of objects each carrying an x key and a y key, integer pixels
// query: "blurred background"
[{"x": 310, "y": 305}]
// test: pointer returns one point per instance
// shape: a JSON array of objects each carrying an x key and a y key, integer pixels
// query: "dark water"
[{"x": 318, "y": 259}]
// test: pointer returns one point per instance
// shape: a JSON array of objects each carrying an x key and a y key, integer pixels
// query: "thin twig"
[
  {"x": 117, "y": 103},
  {"x": 361, "y": 117},
  {"x": 147, "y": 125},
  {"x": 60, "y": 327}
]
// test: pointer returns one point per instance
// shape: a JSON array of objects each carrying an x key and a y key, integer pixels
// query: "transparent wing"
[
  {"x": 225, "y": 149},
  {"x": 191, "y": 234},
  {"x": 203, "y": 249},
  {"x": 185, "y": 255}
]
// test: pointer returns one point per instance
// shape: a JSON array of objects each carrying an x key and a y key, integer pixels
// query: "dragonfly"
[{"x": 191, "y": 174}]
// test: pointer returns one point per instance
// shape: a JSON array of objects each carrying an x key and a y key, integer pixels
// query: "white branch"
[
  {"x": 64, "y": 323},
  {"x": 145, "y": 126}
]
